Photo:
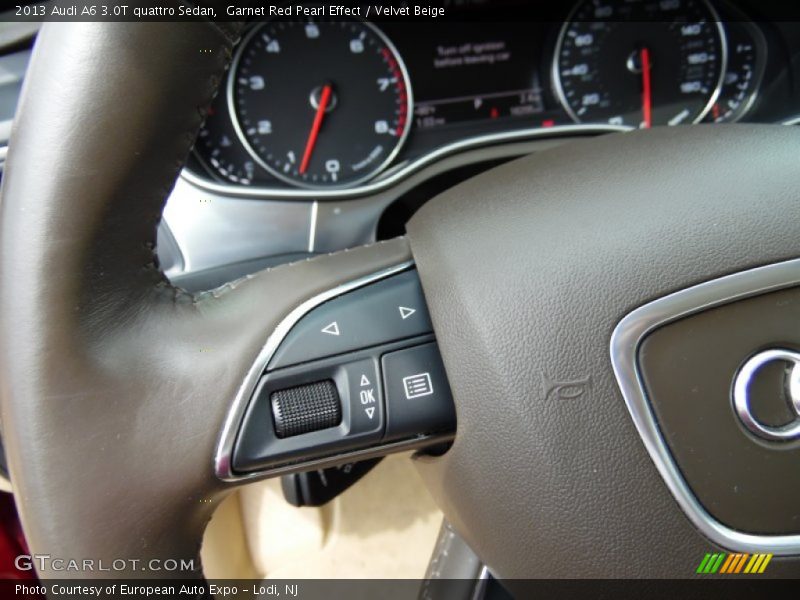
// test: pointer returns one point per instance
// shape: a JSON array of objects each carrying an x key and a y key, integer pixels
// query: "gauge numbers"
[
  {"x": 640, "y": 63},
  {"x": 320, "y": 104}
]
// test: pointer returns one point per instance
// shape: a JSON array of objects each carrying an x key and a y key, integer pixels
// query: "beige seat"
[{"x": 385, "y": 526}]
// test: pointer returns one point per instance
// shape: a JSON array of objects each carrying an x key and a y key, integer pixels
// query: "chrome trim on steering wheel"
[
  {"x": 625, "y": 342},
  {"x": 741, "y": 394}
]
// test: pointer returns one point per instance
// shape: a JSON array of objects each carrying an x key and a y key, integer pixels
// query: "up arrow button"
[{"x": 406, "y": 312}]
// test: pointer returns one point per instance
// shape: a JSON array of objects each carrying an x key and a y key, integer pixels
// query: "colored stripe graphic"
[
  {"x": 723, "y": 563},
  {"x": 737, "y": 558},
  {"x": 716, "y": 565},
  {"x": 710, "y": 563},
  {"x": 703, "y": 563},
  {"x": 757, "y": 566},
  {"x": 741, "y": 562},
  {"x": 765, "y": 563},
  {"x": 752, "y": 562},
  {"x": 726, "y": 565}
]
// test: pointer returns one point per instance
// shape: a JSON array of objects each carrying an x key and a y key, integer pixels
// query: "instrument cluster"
[{"x": 332, "y": 105}]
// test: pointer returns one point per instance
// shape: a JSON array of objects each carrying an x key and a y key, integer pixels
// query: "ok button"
[
  {"x": 392, "y": 309},
  {"x": 743, "y": 395}
]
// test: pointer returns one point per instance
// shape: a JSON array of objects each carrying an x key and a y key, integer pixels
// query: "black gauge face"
[
  {"x": 746, "y": 58},
  {"x": 320, "y": 104},
  {"x": 639, "y": 63},
  {"x": 219, "y": 149}
]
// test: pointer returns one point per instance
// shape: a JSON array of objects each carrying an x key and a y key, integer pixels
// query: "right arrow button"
[{"x": 406, "y": 312}]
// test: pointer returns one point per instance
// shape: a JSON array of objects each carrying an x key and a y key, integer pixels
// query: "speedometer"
[
  {"x": 747, "y": 50},
  {"x": 640, "y": 63},
  {"x": 320, "y": 104}
]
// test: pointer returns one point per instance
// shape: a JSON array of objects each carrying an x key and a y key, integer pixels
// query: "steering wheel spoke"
[{"x": 118, "y": 385}]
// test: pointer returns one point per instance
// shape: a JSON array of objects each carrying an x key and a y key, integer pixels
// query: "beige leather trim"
[
  {"x": 224, "y": 552},
  {"x": 383, "y": 527}
]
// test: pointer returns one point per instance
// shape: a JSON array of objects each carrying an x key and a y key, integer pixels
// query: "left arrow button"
[{"x": 332, "y": 329}]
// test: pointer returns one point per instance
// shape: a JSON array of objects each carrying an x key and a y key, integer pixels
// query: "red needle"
[
  {"x": 324, "y": 98},
  {"x": 647, "y": 101}
]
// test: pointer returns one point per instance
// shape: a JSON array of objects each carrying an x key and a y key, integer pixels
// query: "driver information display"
[{"x": 475, "y": 71}]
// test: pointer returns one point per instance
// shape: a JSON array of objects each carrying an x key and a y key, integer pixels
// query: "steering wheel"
[{"x": 592, "y": 303}]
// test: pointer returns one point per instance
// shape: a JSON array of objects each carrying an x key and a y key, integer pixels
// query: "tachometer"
[
  {"x": 220, "y": 150},
  {"x": 640, "y": 63},
  {"x": 320, "y": 104}
]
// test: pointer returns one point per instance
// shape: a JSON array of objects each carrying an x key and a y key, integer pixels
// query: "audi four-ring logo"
[{"x": 741, "y": 394}]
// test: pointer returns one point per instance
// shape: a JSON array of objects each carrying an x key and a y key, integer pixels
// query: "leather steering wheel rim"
[{"x": 116, "y": 383}]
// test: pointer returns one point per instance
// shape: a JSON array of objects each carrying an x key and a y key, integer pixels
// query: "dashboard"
[
  {"x": 329, "y": 134},
  {"x": 316, "y": 109}
]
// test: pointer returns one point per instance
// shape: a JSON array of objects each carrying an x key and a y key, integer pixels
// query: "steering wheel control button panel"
[
  {"x": 377, "y": 386},
  {"x": 392, "y": 309},
  {"x": 417, "y": 394}
]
